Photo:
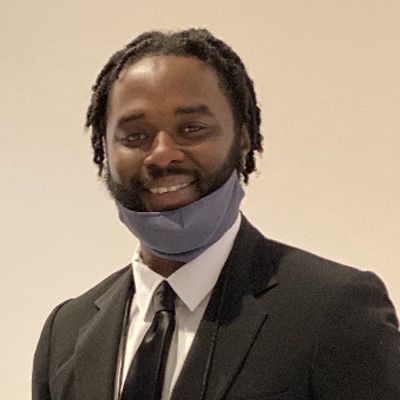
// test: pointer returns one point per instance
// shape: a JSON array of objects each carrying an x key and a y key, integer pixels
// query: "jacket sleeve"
[
  {"x": 358, "y": 348},
  {"x": 40, "y": 372}
]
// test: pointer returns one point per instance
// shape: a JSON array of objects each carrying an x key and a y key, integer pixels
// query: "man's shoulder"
[
  {"x": 87, "y": 300},
  {"x": 309, "y": 284},
  {"x": 68, "y": 317},
  {"x": 304, "y": 264},
  {"x": 104, "y": 285},
  {"x": 296, "y": 266}
]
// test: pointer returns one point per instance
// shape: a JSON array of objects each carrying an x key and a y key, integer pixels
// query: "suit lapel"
[
  {"x": 97, "y": 347},
  {"x": 232, "y": 320}
]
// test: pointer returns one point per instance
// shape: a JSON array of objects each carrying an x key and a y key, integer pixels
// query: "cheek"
[
  {"x": 216, "y": 153},
  {"x": 123, "y": 165}
]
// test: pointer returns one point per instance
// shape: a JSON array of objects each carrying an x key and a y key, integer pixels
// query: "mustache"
[
  {"x": 136, "y": 186},
  {"x": 154, "y": 171}
]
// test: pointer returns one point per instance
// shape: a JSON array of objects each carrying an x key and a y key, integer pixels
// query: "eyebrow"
[
  {"x": 130, "y": 118},
  {"x": 200, "y": 109}
]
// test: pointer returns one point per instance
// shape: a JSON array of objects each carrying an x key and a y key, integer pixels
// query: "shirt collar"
[{"x": 193, "y": 281}]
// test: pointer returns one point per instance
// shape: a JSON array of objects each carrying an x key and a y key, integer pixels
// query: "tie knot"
[{"x": 164, "y": 297}]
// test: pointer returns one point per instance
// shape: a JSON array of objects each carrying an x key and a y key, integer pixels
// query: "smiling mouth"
[{"x": 168, "y": 189}]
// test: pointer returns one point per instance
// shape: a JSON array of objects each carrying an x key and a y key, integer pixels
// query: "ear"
[{"x": 245, "y": 143}]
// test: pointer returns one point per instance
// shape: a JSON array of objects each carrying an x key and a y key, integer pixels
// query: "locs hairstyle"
[{"x": 198, "y": 43}]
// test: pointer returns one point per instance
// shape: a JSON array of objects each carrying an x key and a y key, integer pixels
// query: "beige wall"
[{"x": 327, "y": 75}]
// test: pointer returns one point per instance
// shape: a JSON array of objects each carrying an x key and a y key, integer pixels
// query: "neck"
[{"x": 162, "y": 266}]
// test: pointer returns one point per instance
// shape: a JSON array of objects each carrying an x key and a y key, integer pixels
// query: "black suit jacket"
[{"x": 281, "y": 324}]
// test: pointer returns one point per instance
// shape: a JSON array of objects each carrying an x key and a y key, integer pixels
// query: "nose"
[{"x": 163, "y": 151}]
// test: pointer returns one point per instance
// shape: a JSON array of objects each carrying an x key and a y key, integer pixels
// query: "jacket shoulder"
[
  {"x": 289, "y": 263},
  {"x": 76, "y": 311}
]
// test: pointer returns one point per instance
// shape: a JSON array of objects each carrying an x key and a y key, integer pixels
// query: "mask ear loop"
[{"x": 211, "y": 350}]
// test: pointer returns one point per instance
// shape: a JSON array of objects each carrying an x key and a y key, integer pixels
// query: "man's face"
[{"x": 170, "y": 136}]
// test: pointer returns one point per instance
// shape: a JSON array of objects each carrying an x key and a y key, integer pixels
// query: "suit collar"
[
  {"x": 97, "y": 347},
  {"x": 236, "y": 312}
]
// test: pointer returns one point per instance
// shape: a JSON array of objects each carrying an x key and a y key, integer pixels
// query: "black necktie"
[{"x": 146, "y": 374}]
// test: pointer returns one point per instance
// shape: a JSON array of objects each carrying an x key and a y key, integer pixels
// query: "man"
[{"x": 175, "y": 126}]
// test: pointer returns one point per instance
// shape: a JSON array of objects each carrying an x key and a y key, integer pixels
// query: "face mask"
[{"x": 184, "y": 233}]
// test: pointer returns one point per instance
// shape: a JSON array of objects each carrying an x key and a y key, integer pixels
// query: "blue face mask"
[{"x": 184, "y": 233}]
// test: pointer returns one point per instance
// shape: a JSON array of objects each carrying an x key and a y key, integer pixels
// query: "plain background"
[{"x": 327, "y": 77}]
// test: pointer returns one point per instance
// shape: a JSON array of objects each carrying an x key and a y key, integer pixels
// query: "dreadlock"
[{"x": 198, "y": 43}]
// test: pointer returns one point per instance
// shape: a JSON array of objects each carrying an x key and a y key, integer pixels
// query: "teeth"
[{"x": 160, "y": 190}]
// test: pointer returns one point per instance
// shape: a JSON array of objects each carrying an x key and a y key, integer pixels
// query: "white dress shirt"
[{"x": 193, "y": 284}]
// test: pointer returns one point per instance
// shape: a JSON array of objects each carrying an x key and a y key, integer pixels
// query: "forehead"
[
  {"x": 161, "y": 65},
  {"x": 169, "y": 77}
]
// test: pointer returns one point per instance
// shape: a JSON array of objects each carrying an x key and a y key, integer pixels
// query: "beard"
[{"x": 206, "y": 182}]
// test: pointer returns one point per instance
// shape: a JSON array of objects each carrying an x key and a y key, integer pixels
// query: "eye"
[
  {"x": 192, "y": 128},
  {"x": 134, "y": 139},
  {"x": 195, "y": 132}
]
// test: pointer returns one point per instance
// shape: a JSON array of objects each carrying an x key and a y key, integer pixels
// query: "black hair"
[{"x": 198, "y": 43}]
